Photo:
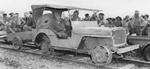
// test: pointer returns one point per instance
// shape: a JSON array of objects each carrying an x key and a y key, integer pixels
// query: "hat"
[
  {"x": 11, "y": 13},
  {"x": 5, "y": 14},
  {"x": 136, "y": 12},
  {"x": 101, "y": 14},
  {"x": 86, "y": 14},
  {"x": 76, "y": 11}
]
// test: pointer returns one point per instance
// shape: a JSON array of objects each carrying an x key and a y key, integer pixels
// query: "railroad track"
[{"x": 59, "y": 57}]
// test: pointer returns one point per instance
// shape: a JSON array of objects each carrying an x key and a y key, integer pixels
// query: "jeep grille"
[{"x": 119, "y": 36}]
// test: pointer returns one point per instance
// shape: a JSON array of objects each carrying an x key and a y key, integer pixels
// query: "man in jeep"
[{"x": 60, "y": 27}]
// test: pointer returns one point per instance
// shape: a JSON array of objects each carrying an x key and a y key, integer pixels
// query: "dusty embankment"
[{"x": 10, "y": 59}]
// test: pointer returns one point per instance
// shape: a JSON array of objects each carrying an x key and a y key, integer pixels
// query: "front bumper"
[{"x": 128, "y": 48}]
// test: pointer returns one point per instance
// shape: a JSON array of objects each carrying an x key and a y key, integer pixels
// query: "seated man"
[
  {"x": 87, "y": 17},
  {"x": 64, "y": 24},
  {"x": 53, "y": 22},
  {"x": 75, "y": 16}
]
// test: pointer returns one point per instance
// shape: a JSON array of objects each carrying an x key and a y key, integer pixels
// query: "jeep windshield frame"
[{"x": 59, "y": 7}]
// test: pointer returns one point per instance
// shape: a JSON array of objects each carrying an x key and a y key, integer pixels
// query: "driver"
[{"x": 58, "y": 25}]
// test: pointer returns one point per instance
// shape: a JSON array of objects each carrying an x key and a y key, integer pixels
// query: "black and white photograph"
[{"x": 74, "y": 34}]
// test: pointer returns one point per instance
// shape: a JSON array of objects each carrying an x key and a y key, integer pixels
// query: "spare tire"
[{"x": 146, "y": 53}]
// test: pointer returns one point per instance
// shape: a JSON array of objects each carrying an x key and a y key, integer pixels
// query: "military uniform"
[{"x": 137, "y": 25}]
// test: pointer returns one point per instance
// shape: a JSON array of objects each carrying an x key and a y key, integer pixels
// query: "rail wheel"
[
  {"x": 44, "y": 45},
  {"x": 101, "y": 55},
  {"x": 146, "y": 52},
  {"x": 17, "y": 43}
]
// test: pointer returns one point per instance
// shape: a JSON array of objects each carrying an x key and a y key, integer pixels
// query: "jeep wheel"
[
  {"x": 17, "y": 43},
  {"x": 101, "y": 55},
  {"x": 146, "y": 52},
  {"x": 44, "y": 45}
]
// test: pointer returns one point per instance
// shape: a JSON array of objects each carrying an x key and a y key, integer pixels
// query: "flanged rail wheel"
[
  {"x": 45, "y": 45},
  {"x": 17, "y": 43},
  {"x": 146, "y": 53},
  {"x": 101, "y": 55}
]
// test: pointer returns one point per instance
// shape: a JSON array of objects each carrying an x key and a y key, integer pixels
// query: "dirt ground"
[{"x": 18, "y": 60}]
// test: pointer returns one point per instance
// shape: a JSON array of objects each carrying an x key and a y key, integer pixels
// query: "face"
[
  {"x": 16, "y": 15},
  {"x": 76, "y": 14},
  {"x": 94, "y": 15},
  {"x": 11, "y": 15},
  {"x": 118, "y": 19},
  {"x": 136, "y": 14},
  {"x": 127, "y": 17},
  {"x": 4, "y": 15},
  {"x": 101, "y": 16}
]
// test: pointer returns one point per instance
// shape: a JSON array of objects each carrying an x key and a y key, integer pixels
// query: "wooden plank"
[
  {"x": 127, "y": 49},
  {"x": 137, "y": 60}
]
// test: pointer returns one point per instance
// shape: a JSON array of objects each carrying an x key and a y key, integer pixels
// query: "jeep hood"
[{"x": 101, "y": 31}]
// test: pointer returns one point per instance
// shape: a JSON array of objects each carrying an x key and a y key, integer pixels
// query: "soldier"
[
  {"x": 58, "y": 24},
  {"x": 12, "y": 22},
  {"x": 93, "y": 17},
  {"x": 147, "y": 22},
  {"x": 125, "y": 23},
  {"x": 75, "y": 16},
  {"x": 11, "y": 16},
  {"x": 5, "y": 18},
  {"x": 87, "y": 17},
  {"x": 28, "y": 23},
  {"x": 137, "y": 24},
  {"x": 118, "y": 22},
  {"x": 101, "y": 20},
  {"x": 109, "y": 23}
]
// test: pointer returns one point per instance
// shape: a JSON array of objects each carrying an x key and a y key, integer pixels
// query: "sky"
[{"x": 111, "y": 8}]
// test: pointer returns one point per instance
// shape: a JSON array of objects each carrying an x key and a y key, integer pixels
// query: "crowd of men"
[
  {"x": 138, "y": 24},
  {"x": 17, "y": 23}
]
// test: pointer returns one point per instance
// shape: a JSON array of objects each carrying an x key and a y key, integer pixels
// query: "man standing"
[
  {"x": 118, "y": 21},
  {"x": 101, "y": 20},
  {"x": 147, "y": 22},
  {"x": 18, "y": 19},
  {"x": 137, "y": 24},
  {"x": 12, "y": 20},
  {"x": 5, "y": 18},
  {"x": 28, "y": 21}
]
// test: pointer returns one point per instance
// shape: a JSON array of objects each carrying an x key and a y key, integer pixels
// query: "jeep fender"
[
  {"x": 90, "y": 43},
  {"x": 41, "y": 32}
]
